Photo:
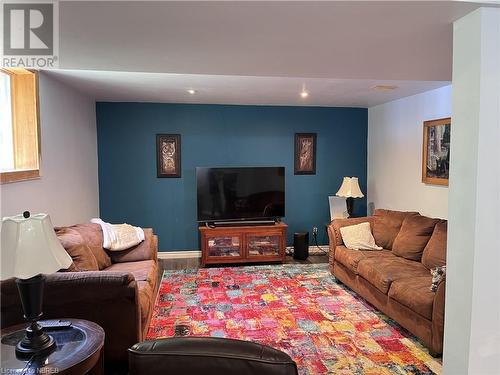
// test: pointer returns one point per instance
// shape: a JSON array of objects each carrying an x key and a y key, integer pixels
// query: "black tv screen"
[{"x": 246, "y": 193}]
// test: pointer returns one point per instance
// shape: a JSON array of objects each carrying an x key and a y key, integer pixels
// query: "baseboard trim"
[
  {"x": 179, "y": 254},
  {"x": 313, "y": 249},
  {"x": 197, "y": 253}
]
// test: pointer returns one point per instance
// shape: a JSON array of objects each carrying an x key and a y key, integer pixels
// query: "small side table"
[{"x": 79, "y": 351}]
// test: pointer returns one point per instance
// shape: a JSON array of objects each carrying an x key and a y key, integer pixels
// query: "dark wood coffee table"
[{"x": 79, "y": 351}]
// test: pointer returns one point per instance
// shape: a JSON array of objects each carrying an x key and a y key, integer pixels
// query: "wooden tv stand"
[{"x": 243, "y": 244}]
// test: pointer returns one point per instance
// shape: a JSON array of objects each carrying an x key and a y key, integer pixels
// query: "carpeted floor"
[{"x": 299, "y": 309}]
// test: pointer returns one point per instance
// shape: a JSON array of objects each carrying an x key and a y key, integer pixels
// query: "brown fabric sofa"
[
  {"x": 397, "y": 279},
  {"x": 113, "y": 289}
]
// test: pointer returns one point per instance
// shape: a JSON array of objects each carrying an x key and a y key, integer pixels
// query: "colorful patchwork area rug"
[{"x": 299, "y": 309}]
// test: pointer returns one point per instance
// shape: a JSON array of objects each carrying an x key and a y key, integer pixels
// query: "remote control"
[{"x": 54, "y": 324}]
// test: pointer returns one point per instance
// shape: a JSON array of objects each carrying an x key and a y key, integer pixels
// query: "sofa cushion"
[
  {"x": 141, "y": 251},
  {"x": 414, "y": 293},
  {"x": 386, "y": 226},
  {"x": 413, "y": 236},
  {"x": 434, "y": 254},
  {"x": 92, "y": 235},
  {"x": 381, "y": 272},
  {"x": 144, "y": 270},
  {"x": 78, "y": 250},
  {"x": 350, "y": 258}
]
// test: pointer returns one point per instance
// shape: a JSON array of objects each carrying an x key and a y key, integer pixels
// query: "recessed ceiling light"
[
  {"x": 304, "y": 94},
  {"x": 384, "y": 87},
  {"x": 191, "y": 91}
]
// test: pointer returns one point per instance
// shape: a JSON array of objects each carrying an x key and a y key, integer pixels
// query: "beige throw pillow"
[{"x": 359, "y": 237}]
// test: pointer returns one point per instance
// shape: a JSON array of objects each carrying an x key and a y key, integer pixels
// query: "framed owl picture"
[
  {"x": 168, "y": 155},
  {"x": 305, "y": 153}
]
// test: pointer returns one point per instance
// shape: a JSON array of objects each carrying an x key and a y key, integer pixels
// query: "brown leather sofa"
[
  {"x": 113, "y": 289},
  {"x": 397, "y": 280}
]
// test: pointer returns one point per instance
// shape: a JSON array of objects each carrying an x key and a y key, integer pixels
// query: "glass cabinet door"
[
  {"x": 224, "y": 246},
  {"x": 263, "y": 245}
]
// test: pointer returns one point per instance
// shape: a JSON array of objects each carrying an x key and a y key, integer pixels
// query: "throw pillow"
[
  {"x": 435, "y": 251},
  {"x": 142, "y": 251},
  {"x": 92, "y": 235},
  {"x": 75, "y": 246},
  {"x": 438, "y": 274},
  {"x": 413, "y": 237},
  {"x": 359, "y": 237},
  {"x": 386, "y": 226}
]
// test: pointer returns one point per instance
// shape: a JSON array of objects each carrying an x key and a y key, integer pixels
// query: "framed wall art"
[
  {"x": 305, "y": 153},
  {"x": 168, "y": 155},
  {"x": 436, "y": 151}
]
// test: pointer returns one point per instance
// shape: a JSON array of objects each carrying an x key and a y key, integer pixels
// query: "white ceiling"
[
  {"x": 400, "y": 40},
  {"x": 219, "y": 89},
  {"x": 254, "y": 52}
]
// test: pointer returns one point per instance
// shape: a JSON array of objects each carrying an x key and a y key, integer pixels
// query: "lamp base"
[
  {"x": 35, "y": 342},
  {"x": 350, "y": 205}
]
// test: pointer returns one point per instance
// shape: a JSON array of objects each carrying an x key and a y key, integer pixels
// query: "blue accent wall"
[{"x": 222, "y": 135}]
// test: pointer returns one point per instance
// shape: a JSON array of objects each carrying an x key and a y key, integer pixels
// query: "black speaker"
[{"x": 301, "y": 245}]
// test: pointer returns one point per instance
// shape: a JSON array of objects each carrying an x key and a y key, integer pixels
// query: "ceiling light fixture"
[
  {"x": 191, "y": 91},
  {"x": 304, "y": 93}
]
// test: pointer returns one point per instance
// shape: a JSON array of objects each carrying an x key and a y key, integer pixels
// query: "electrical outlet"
[{"x": 315, "y": 231}]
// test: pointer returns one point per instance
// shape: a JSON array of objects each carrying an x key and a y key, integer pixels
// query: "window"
[
  {"x": 6, "y": 144},
  {"x": 19, "y": 128}
]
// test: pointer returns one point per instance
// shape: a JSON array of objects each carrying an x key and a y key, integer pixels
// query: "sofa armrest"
[
  {"x": 438, "y": 318},
  {"x": 146, "y": 250},
  {"x": 110, "y": 299},
  {"x": 332, "y": 244},
  {"x": 154, "y": 248}
]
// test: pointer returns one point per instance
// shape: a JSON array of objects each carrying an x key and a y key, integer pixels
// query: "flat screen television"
[{"x": 237, "y": 194}]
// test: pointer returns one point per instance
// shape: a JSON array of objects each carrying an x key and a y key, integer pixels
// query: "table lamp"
[
  {"x": 30, "y": 249},
  {"x": 350, "y": 190}
]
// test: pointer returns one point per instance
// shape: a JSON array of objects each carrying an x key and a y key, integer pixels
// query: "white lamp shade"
[
  {"x": 30, "y": 247},
  {"x": 350, "y": 188}
]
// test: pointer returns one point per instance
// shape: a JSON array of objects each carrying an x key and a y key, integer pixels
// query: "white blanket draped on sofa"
[{"x": 118, "y": 237}]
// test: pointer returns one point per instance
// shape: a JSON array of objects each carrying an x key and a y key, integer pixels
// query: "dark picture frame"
[
  {"x": 305, "y": 153},
  {"x": 436, "y": 151},
  {"x": 168, "y": 155}
]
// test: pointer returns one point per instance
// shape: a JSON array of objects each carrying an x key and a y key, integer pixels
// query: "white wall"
[
  {"x": 472, "y": 321},
  {"x": 68, "y": 188},
  {"x": 395, "y": 132}
]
